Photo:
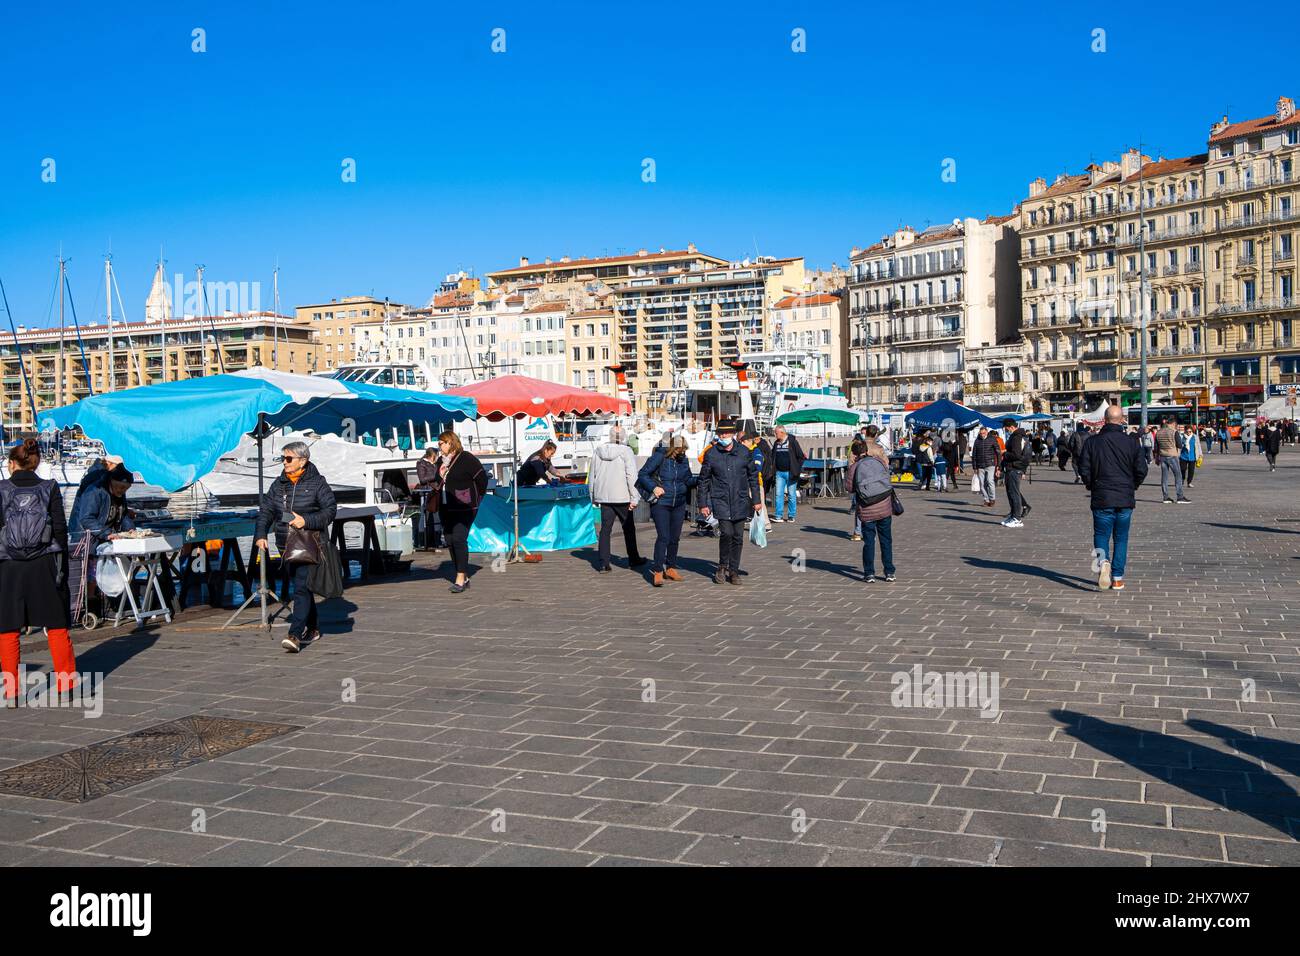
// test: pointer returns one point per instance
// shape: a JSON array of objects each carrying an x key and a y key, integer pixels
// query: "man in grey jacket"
[{"x": 612, "y": 483}]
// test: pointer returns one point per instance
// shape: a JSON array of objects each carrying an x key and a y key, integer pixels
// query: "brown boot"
[
  {"x": 733, "y": 578},
  {"x": 720, "y": 577},
  {"x": 671, "y": 574},
  {"x": 657, "y": 579}
]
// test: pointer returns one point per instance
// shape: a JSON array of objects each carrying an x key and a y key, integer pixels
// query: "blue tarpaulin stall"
[
  {"x": 174, "y": 433},
  {"x": 550, "y": 519}
]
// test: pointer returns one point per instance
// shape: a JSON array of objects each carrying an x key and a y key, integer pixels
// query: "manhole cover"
[{"x": 111, "y": 765}]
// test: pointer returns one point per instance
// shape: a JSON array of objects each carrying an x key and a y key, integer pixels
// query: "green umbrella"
[{"x": 822, "y": 415}]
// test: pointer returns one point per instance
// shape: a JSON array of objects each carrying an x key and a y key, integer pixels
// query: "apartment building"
[
  {"x": 917, "y": 301},
  {"x": 592, "y": 349},
  {"x": 331, "y": 324},
  {"x": 994, "y": 382},
  {"x": 1204, "y": 243},
  {"x": 811, "y": 322},
  {"x": 674, "y": 322},
  {"x": 141, "y": 353},
  {"x": 609, "y": 270},
  {"x": 540, "y": 331}
]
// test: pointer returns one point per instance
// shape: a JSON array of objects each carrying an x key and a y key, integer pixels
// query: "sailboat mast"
[
  {"x": 108, "y": 302},
  {"x": 275, "y": 322},
  {"x": 62, "y": 282}
]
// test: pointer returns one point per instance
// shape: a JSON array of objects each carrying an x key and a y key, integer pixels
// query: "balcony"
[
  {"x": 1192, "y": 267},
  {"x": 1271, "y": 178},
  {"x": 994, "y": 388},
  {"x": 1239, "y": 380},
  {"x": 1171, "y": 270},
  {"x": 1100, "y": 355}
]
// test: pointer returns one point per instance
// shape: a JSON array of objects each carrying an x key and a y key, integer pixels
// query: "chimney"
[
  {"x": 642, "y": 252},
  {"x": 1219, "y": 127},
  {"x": 690, "y": 247},
  {"x": 548, "y": 260},
  {"x": 1130, "y": 163},
  {"x": 1285, "y": 108},
  {"x": 1037, "y": 187},
  {"x": 564, "y": 258},
  {"x": 523, "y": 260}
]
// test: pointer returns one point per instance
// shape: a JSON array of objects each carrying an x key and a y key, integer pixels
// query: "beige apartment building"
[
  {"x": 1210, "y": 237},
  {"x": 141, "y": 353},
  {"x": 674, "y": 322},
  {"x": 331, "y": 324},
  {"x": 917, "y": 301},
  {"x": 811, "y": 322},
  {"x": 592, "y": 349}
]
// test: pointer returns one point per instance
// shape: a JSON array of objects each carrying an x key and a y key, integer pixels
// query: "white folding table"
[{"x": 142, "y": 554}]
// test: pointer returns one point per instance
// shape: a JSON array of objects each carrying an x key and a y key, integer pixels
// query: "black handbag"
[
  {"x": 301, "y": 547},
  {"x": 326, "y": 579},
  {"x": 897, "y": 503}
]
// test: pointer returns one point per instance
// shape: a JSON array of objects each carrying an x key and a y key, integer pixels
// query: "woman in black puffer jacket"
[
  {"x": 665, "y": 481},
  {"x": 299, "y": 498}
]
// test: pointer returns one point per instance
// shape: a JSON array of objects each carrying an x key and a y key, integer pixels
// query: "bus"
[{"x": 1215, "y": 415}]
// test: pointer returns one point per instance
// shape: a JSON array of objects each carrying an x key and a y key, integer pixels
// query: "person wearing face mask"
[
  {"x": 299, "y": 498},
  {"x": 729, "y": 490},
  {"x": 665, "y": 480}
]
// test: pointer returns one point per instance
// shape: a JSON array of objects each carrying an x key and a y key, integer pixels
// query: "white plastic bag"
[
  {"x": 109, "y": 577},
  {"x": 758, "y": 531},
  {"x": 975, "y": 483}
]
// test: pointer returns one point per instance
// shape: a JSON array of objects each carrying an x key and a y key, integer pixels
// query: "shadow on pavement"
[
  {"x": 1029, "y": 570},
  {"x": 1221, "y": 778}
]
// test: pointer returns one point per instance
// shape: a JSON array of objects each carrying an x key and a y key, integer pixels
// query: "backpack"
[{"x": 28, "y": 532}]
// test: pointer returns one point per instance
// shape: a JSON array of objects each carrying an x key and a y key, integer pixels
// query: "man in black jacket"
[
  {"x": 729, "y": 489},
  {"x": 786, "y": 462},
  {"x": 1112, "y": 465},
  {"x": 984, "y": 457},
  {"x": 1075, "y": 444},
  {"x": 1015, "y": 462}
]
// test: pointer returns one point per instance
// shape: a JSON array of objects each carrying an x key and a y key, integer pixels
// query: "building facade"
[
  {"x": 331, "y": 324},
  {"x": 811, "y": 322},
  {"x": 675, "y": 322},
  {"x": 918, "y": 301},
  {"x": 140, "y": 353},
  {"x": 1203, "y": 244}
]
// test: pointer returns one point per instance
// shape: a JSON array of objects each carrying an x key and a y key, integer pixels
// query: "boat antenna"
[
  {"x": 31, "y": 399},
  {"x": 130, "y": 343}
]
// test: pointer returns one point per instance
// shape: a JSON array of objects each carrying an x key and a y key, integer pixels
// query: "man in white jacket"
[{"x": 612, "y": 482}]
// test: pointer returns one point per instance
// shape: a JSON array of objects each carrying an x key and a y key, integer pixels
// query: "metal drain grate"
[{"x": 111, "y": 765}]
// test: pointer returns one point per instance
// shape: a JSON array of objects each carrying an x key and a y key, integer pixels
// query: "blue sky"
[{"x": 470, "y": 159}]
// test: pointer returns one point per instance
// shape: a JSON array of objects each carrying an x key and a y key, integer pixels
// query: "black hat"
[
  {"x": 727, "y": 425},
  {"x": 120, "y": 473}
]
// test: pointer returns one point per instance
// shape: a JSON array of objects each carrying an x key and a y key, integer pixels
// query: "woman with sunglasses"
[{"x": 299, "y": 498}]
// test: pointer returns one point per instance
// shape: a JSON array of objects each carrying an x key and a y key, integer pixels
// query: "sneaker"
[
  {"x": 1167, "y": 501},
  {"x": 1013, "y": 523},
  {"x": 776, "y": 518},
  {"x": 1025, "y": 511},
  {"x": 868, "y": 577},
  {"x": 1184, "y": 501},
  {"x": 291, "y": 644},
  {"x": 855, "y": 537},
  {"x": 604, "y": 569},
  {"x": 459, "y": 588},
  {"x": 311, "y": 637},
  {"x": 657, "y": 579},
  {"x": 1117, "y": 584},
  {"x": 670, "y": 574},
  {"x": 890, "y": 579},
  {"x": 1103, "y": 579}
]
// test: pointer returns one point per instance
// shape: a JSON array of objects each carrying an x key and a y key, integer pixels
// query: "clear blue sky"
[{"x": 471, "y": 159}]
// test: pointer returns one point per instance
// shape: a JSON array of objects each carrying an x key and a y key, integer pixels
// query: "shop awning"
[
  {"x": 1191, "y": 371},
  {"x": 1162, "y": 372},
  {"x": 1239, "y": 389},
  {"x": 1133, "y": 376}
]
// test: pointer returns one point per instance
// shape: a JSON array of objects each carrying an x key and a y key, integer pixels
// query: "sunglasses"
[{"x": 289, "y": 458}]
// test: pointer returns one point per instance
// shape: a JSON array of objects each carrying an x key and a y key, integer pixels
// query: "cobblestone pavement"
[{"x": 1155, "y": 726}]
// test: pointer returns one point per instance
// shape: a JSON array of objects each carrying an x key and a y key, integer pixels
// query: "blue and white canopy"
[{"x": 174, "y": 433}]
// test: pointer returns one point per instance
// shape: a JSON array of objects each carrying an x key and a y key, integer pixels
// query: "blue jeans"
[
  {"x": 885, "y": 528},
  {"x": 668, "y": 534},
  {"x": 786, "y": 485},
  {"x": 1108, "y": 523}
]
